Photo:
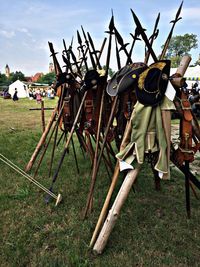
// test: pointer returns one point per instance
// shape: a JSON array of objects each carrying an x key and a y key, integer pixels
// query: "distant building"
[
  {"x": 36, "y": 77},
  {"x": 51, "y": 67},
  {"x": 7, "y": 71}
]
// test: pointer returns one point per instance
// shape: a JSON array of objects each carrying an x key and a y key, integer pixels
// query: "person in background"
[
  {"x": 38, "y": 97},
  {"x": 194, "y": 100},
  {"x": 15, "y": 97}
]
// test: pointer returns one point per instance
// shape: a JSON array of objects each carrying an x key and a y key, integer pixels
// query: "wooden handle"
[{"x": 185, "y": 61}]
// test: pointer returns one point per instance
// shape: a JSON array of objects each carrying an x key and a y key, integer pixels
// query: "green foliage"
[
  {"x": 110, "y": 71},
  {"x": 48, "y": 78},
  {"x": 180, "y": 45},
  {"x": 3, "y": 79},
  {"x": 14, "y": 76}
]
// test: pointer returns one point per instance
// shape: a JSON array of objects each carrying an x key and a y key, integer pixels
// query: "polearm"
[
  {"x": 115, "y": 176},
  {"x": 166, "y": 45},
  {"x": 75, "y": 61},
  {"x": 55, "y": 61},
  {"x": 81, "y": 48},
  {"x": 69, "y": 139},
  {"x": 90, "y": 52},
  {"x": 67, "y": 58},
  {"x": 90, "y": 195},
  {"x": 94, "y": 51},
  {"x": 144, "y": 36},
  {"x": 116, "y": 172},
  {"x": 152, "y": 38},
  {"x": 94, "y": 170},
  {"x": 48, "y": 142},
  {"x": 135, "y": 38},
  {"x": 110, "y": 32},
  {"x": 102, "y": 48},
  {"x": 115, "y": 210},
  {"x": 31, "y": 179},
  {"x": 117, "y": 54},
  {"x": 122, "y": 44},
  {"x": 42, "y": 140}
]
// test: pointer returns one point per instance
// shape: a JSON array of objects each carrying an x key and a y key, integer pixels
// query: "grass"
[{"x": 152, "y": 229}]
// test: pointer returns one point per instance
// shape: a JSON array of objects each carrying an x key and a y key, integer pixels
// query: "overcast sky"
[{"x": 26, "y": 26}]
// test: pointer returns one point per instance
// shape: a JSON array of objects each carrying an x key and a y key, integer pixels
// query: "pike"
[
  {"x": 95, "y": 160},
  {"x": 102, "y": 47},
  {"x": 110, "y": 32},
  {"x": 122, "y": 44},
  {"x": 55, "y": 61},
  {"x": 42, "y": 140},
  {"x": 166, "y": 45},
  {"x": 81, "y": 48},
  {"x": 67, "y": 58},
  {"x": 55, "y": 127},
  {"x": 90, "y": 53},
  {"x": 115, "y": 176},
  {"x": 70, "y": 52},
  {"x": 135, "y": 38},
  {"x": 68, "y": 140},
  {"x": 152, "y": 38},
  {"x": 141, "y": 30},
  {"x": 117, "y": 55},
  {"x": 94, "y": 51}
]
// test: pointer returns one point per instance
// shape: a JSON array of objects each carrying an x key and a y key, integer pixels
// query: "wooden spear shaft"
[
  {"x": 115, "y": 210},
  {"x": 48, "y": 142},
  {"x": 103, "y": 213},
  {"x": 95, "y": 170},
  {"x": 70, "y": 136},
  {"x": 90, "y": 195},
  {"x": 42, "y": 140},
  {"x": 42, "y": 116}
]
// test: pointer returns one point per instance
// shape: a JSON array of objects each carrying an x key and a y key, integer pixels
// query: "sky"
[{"x": 26, "y": 26}]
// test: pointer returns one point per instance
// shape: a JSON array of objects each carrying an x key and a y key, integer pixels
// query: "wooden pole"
[
  {"x": 115, "y": 210},
  {"x": 42, "y": 116},
  {"x": 103, "y": 213},
  {"x": 42, "y": 140},
  {"x": 90, "y": 195}
]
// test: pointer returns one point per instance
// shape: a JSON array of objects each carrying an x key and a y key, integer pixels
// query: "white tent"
[{"x": 21, "y": 89}]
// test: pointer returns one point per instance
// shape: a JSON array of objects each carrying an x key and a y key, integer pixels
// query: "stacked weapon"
[
  {"x": 185, "y": 151},
  {"x": 86, "y": 110}
]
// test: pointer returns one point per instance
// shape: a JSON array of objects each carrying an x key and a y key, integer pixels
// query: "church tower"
[
  {"x": 7, "y": 71},
  {"x": 51, "y": 67}
]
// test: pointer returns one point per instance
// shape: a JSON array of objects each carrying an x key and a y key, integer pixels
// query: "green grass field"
[{"x": 152, "y": 230}]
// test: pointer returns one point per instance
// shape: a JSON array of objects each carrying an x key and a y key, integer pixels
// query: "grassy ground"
[{"x": 152, "y": 229}]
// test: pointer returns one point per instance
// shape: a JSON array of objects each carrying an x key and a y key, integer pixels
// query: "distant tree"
[
  {"x": 3, "y": 80},
  {"x": 110, "y": 71},
  {"x": 48, "y": 78},
  {"x": 197, "y": 62},
  {"x": 179, "y": 46},
  {"x": 14, "y": 76}
]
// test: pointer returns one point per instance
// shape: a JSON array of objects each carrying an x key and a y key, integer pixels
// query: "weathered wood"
[
  {"x": 115, "y": 210},
  {"x": 42, "y": 116},
  {"x": 103, "y": 213},
  {"x": 42, "y": 140}
]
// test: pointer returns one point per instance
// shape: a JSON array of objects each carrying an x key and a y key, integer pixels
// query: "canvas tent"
[{"x": 21, "y": 89}]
